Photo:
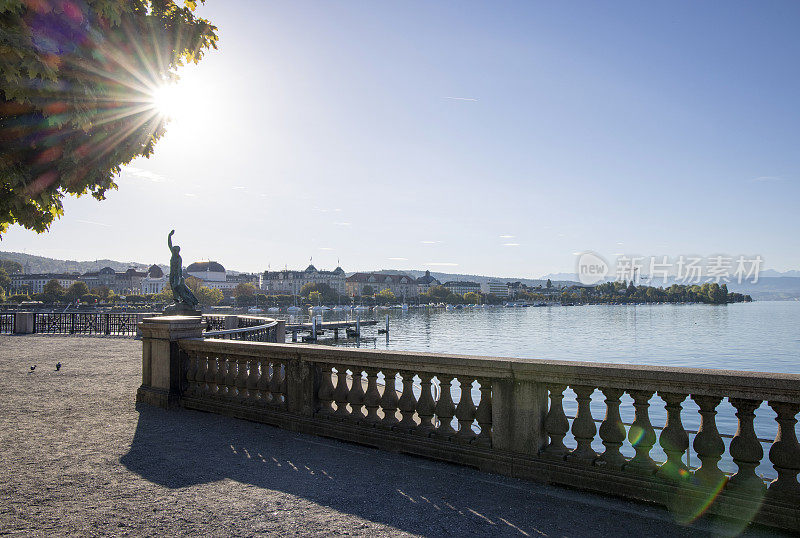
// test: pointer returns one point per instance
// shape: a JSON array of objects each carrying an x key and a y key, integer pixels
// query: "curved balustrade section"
[
  {"x": 507, "y": 416},
  {"x": 265, "y": 332}
]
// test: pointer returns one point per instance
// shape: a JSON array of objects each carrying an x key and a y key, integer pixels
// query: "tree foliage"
[
  {"x": 11, "y": 267},
  {"x": 5, "y": 280},
  {"x": 77, "y": 291},
  {"x": 76, "y": 86}
]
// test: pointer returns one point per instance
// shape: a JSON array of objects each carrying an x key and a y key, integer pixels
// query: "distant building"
[
  {"x": 461, "y": 287},
  {"x": 154, "y": 281},
  {"x": 426, "y": 282},
  {"x": 291, "y": 282},
  {"x": 34, "y": 283},
  {"x": 496, "y": 288},
  {"x": 399, "y": 284},
  {"x": 120, "y": 282}
]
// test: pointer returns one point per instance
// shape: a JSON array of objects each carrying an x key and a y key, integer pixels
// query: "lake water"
[{"x": 759, "y": 336}]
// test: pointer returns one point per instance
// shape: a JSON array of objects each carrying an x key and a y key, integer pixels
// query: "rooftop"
[{"x": 79, "y": 458}]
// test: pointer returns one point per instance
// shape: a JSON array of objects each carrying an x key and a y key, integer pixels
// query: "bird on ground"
[
  {"x": 33, "y": 368},
  {"x": 58, "y": 366}
]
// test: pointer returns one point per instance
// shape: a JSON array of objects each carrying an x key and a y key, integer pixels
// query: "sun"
[{"x": 170, "y": 100}]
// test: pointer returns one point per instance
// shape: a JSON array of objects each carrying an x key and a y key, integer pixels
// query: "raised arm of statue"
[{"x": 169, "y": 240}]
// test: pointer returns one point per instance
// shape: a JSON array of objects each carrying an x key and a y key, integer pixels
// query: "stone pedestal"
[
  {"x": 181, "y": 309},
  {"x": 161, "y": 358},
  {"x": 518, "y": 412}
]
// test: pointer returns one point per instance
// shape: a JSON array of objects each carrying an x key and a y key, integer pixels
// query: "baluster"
[
  {"x": 372, "y": 398},
  {"x": 583, "y": 428},
  {"x": 211, "y": 377},
  {"x": 356, "y": 396},
  {"x": 241, "y": 379},
  {"x": 674, "y": 439},
  {"x": 445, "y": 409},
  {"x": 263, "y": 382},
  {"x": 200, "y": 375},
  {"x": 228, "y": 384},
  {"x": 325, "y": 394},
  {"x": 612, "y": 431},
  {"x": 556, "y": 424},
  {"x": 222, "y": 375},
  {"x": 340, "y": 394},
  {"x": 275, "y": 384},
  {"x": 785, "y": 453},
  {"x": 484, "y": 413},
  {"x": 707, "y": 443},
  {"x": 191, "y": 374},
  {"x": 465, "y": 412},
  {"x": 425, "y": 405},
  {"x": 281, "y": 383},
  {"x": 407, "y": 402},
  {"x": 641, "y": 434},
  {"x": 389, "y": 399},
  {"x": 745, "y": 449},
  {"x": 252, "y": 381}
]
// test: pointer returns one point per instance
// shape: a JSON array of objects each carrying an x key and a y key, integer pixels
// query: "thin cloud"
[
  {"x": 325, "y": 248},
  {"x": 429, "y": 242},
  {"x": 93, "y": 223},
  {"x": 342, "y": 223},
  {"x": 461, "y": 98},
  {"x": 190, "y": 194},
  {"x": 442, "y": 264},
  {"x": 506, "y": 236},
  {"x": 767, "y": 179},
  {"x": 238, "y": 187},
  {"x": 510, "y": 244},
  {"x": 398, "y": 259},
  {"x": 144, "y": 174}
]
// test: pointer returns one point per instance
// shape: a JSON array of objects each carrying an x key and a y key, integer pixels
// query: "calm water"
[{"x": 760, "y": 336}]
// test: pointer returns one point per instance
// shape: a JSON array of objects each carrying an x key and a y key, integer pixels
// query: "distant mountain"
[{"x": 40, "y": 264}]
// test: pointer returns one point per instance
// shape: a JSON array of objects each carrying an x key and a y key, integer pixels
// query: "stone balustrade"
[{"x": 507, "y": 416}]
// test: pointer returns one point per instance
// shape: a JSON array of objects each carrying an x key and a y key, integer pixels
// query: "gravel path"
[{"x": 78, "y": 458}]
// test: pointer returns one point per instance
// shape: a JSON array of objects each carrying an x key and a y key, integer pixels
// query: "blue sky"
[{"x": 470, "y": 137}]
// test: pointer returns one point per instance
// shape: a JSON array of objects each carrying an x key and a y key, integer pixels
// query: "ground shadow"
[{"x": 177, "y": 449}]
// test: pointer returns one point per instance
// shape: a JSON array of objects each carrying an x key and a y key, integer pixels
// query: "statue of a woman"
[{"x": 180, "y": 290}]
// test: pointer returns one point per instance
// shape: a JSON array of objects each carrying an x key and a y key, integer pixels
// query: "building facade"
[
  {"x": 461, "y": 287},
  {"x": 496, "y": 288},
  {"x": 403, "y": 286},
  {"x": 291, "y": 282},
  {"x": 34, "y": 283},
  {"x": 155, "y": 281},
  {"x": 426, "y": 282},
  {"x": 120, "y": 282}
]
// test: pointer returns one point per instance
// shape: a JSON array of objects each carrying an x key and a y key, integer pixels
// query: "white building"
[
  {"x": 426, "y": 282},
  {"x": 212, "y": 274},
  {"x": 291, "y": 282},
  {"x": 496, "y": 288},
  {"x": 154, "y": 281},
  {"x": 461, "y": 287},
  {"x": 403, "y": 286},
  {"x": 21, "y": 282}
]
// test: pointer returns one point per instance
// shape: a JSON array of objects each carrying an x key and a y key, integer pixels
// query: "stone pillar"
[
  {"x": 518, "y": 412},
  {"x": 23, "y": 323},
  {"x": 161, "y": 358},
  {"x": 280, "y": 332},
  {"x": 231, "y": 322}
]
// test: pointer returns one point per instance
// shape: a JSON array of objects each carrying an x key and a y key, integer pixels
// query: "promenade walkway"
[{"x": 77, "y": 457}]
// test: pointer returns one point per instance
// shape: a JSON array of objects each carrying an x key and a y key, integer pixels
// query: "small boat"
[
  {"x": 294, "y": 309},
  {"x": 273, "y": 309}
]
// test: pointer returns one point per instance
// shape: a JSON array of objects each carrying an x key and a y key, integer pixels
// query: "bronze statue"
[{"x": 180, "y": 291}]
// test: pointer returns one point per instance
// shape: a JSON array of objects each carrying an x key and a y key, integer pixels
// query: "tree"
[
  {"x": 52, "y": 291},
  {"x": 11, "y": 267},
  {"x": 193, "y": 283},
  {"x": 549, "y": 284},
  {"x": 386, "y": 296},
  {"x": 19, "y": 297},
  {"x": 76, "y": 95},
  {"x": 77, "y": 291},
  {"x": 209, "y": 296},
  {"x": 244, "y": 290},
  {"x": 471, "y": 297},
  {"x": 315, "y": 297},
  {"x": 367, "y": 290},
  {"x": 5, "y": 280}
]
